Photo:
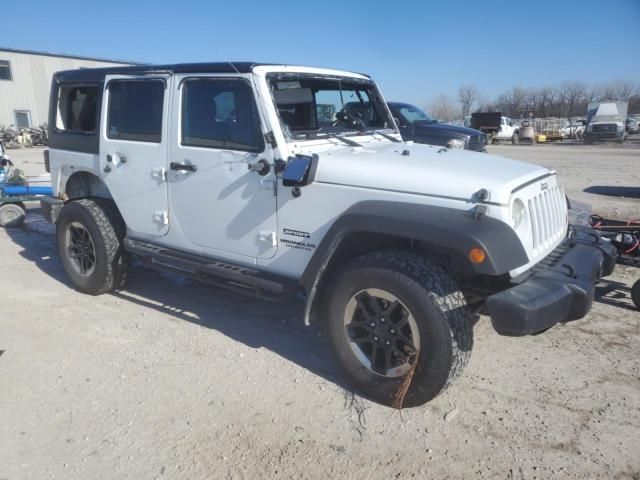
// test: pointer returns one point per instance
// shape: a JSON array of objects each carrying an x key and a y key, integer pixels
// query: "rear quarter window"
[
  {"x": 77, "y": 108},
  {"x": 135, "y": 110}
]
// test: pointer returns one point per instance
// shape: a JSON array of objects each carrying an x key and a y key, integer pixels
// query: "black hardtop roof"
[{"x": 97, "y": 74}]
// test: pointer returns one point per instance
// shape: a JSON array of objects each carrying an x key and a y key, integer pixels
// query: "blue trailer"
[
  {"x": 14, "y": 195},
  {"x": 12, "y": 202}
]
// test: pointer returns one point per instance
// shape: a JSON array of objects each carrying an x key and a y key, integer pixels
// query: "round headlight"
[
  {"x": 456, "y": 143},
  {"x": 518, "y": 213}
]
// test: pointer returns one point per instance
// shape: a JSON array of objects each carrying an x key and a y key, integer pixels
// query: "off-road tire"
[
  {"x": 515, "y": 139},
  {"x": 12, "y": 215},
  {"x": 438, "y": 307},
  {"x": 102, "y": 220}
]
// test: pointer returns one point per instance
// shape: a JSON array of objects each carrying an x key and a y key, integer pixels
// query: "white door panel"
[
  {"x": 218, "y": 202},
  {"x": 133, "y": 149}
]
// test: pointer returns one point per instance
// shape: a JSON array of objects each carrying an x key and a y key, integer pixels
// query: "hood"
[
  {"x": 442, "y": 129},
  {"x": 427, "y": 170}
]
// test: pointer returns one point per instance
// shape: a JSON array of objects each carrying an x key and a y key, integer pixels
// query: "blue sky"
[{"x": 414, "y": 49}]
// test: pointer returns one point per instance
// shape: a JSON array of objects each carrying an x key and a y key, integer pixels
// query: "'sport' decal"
[{"x": 296, "y": 233}]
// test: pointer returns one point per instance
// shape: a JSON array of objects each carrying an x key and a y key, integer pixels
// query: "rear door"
[{"x": 133, "y": 149}]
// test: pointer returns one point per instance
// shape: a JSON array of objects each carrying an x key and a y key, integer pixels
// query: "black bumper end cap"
[
  {"x": 559, "y": 294},
  {"x": 50, "y": 208}
]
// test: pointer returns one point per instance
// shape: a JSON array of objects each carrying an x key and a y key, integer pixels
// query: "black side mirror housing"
[{"x": 299, "y": 171}]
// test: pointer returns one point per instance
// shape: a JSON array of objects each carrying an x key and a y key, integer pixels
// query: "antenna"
[{"x": 228, "y": 61}]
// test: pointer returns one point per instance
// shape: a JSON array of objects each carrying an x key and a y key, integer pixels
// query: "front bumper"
[
  {"x": 559, "y": 293},
  {"x": 602, "y": 136}
]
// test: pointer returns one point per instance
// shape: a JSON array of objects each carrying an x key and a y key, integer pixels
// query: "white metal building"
[{"x": 25, "y": 81}]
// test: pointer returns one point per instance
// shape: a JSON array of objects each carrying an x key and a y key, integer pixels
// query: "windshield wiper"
[
  {"x": 382, "y": 134},
  {"x": 344, "y": 140}
]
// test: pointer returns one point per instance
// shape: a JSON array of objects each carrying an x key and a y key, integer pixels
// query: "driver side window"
[{"x": 220, "y": 113}]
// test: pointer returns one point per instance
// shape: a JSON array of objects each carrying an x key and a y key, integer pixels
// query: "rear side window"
[
  {"x": 77, "y": 108},
  {"x": 220, "y": 113},
  {"x": 135, "y": 110}
]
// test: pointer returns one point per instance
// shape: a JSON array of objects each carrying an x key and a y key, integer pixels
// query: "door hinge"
[
  {"x": 161, "y": 217},
  {"x": 270, "y": 138},
  {"x": 268, "y": 237},
  {"x": 160, "y": 173}
]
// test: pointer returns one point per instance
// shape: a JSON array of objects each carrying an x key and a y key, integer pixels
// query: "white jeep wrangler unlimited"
[{"x": 255, "y": 178}]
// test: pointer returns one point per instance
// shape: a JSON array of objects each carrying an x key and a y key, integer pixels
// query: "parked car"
[
  {"x": 574, "y": 129},
  {"x": 632, "y": 126},
  {"x": 495, "y": 126},
  {"x": 417, "y": 126},
  {"x": 230, "y": 174}
]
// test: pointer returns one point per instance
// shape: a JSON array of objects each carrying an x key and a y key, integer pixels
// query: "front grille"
[
  {"x": 547, "y": 262},
  {"x": 548, "y": 213},
  {"x": 605, "y": 127},
  {"x": 476, "y": 143}
]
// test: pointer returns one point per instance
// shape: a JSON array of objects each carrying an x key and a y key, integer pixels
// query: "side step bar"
[{"x": 222, "y": 274}]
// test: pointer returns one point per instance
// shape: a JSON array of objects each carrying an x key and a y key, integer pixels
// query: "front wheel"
[
  {"x": 515, "y": 139},
  {"x": 90, "y": 233},
  {"x": 399, "y": 327}
]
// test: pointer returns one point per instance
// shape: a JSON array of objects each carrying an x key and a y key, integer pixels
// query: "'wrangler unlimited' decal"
[{"x": 299, "y": 244}]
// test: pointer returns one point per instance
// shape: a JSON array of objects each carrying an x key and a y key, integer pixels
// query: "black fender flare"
[{"x": 443, "y": 228}]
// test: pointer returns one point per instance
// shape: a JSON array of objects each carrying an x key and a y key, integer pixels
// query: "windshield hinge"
[{"x": 270, "y": 139}]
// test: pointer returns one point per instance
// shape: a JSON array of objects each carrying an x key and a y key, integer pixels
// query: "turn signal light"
[{"x": 477, "y": 255}]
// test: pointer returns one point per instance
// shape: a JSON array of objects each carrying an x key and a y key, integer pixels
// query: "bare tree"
[
  {"x": 593, "y": 93},
  {"x": 621, "y": 90},
  {"x": 532, "y": 100},
  {"x": 572, "y": 93},
  {"x": 513, "y": 101},
  {"x": 468, "y": 97},
  {"x": 442, "y": 108}
]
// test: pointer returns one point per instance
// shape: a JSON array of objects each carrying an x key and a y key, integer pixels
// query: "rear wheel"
[
  {"x": 515, "y": 139},
  {"x": 399, "y": 327},
  {"x": 89, "y": 233},
  {"x": 12, "y": 215},
  {"x": 635, "y": 294}
]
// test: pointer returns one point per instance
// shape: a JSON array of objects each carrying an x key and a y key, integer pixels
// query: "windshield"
[
  {"x": 315, "y": 105},
  {"x": 413, "y": 114}
]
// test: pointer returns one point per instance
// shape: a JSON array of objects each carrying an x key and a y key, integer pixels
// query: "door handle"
[
  {"x": 262, "y": 167},
  {"x": 183, "y": 167}
]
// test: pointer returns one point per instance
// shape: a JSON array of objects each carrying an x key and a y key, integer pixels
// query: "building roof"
[{"x": 63, "y": 55}]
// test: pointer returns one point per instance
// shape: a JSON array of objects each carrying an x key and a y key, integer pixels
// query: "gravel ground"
[{"x": 169, "y": 379}]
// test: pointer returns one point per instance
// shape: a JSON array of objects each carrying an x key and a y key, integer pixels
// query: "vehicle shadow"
[
  {"x": 278, "y": 327},
  {"x": 612, "y": 191},
  {"x": 616, "y": 294}
]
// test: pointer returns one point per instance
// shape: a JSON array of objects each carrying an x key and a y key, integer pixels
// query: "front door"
[
  {"x": 133, "y": 150},
  {"x": 219, "y": 202}
]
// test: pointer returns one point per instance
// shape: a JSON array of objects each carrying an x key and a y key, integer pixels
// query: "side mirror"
[
  {"x": 298, "y": 171},
  {"x": 398, "y": 122}
]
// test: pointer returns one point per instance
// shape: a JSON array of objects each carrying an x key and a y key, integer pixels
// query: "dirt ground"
[{"x": 170, "y": 379}]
